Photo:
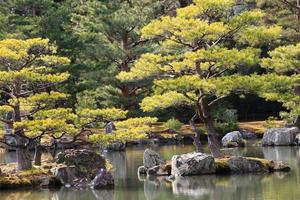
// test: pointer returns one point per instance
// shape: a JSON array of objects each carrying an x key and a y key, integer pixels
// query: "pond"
[{"x": 129, "y": 186}]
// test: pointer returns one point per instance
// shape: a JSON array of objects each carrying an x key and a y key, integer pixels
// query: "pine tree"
[{"x": 201, "y": 50}]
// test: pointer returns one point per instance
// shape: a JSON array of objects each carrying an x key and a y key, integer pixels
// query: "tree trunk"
[
  {"x": 38, "y": 155},
  {"x": 298, "y": 11},
  {"x": 197, "y": 142},
  {"x": 23, "y": 158},
  {"x": 212, "y": 138}
]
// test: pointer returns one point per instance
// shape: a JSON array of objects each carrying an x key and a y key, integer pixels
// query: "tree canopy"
[{"x": 201, "y": 50}]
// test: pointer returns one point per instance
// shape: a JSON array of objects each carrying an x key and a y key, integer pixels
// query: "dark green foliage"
[{"x": 225, "y": 120}]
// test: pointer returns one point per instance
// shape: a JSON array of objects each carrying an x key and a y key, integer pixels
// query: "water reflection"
[
  {"x": 63, "y": 194},
  {"x": 131, "y": 187}
]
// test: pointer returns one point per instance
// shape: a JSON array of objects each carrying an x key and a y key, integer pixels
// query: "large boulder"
[
  {"x": 86, "y": 162},
  {"x": 280, "y": 136},
  {"x": 248, "y": 135},
  {"x": 240, "y": 165},
  {"x": 151, "y": 159},
  {"x": 233, "y": 139},
  {"x": 104, "y": 179},
  {"x": 192, "y": 164}
]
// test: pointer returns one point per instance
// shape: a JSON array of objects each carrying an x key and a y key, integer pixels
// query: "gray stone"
[
  {"x": 192, "y": 164},
  {"x": 242, "y": 6},
  {"x": 280, "y": 136},
  {"x": 241, "y": 165},
  {"x": 104, "y": 179},
  {"x": 50, "y": 182},
  {"x": 142, "y": 170},
  {"x": 110, "y": 127},
  {"x": 160, "y": 170},
  {"x": 151, "y": 159},
  {"x": 233, "y": 139},
  {"x": 297, "y": 139},
  {"x": 279, "y": 166},
  {"x": 248, "y": 135}
]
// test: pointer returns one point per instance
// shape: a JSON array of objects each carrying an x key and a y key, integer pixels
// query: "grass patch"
[{"x": 32, "y": 172}]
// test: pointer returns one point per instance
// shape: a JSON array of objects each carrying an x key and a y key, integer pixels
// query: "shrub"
[
  {"x": 173, "y": 124},
  {"x": 225, "y": 120},
  {"x": 226, "y": 127}
]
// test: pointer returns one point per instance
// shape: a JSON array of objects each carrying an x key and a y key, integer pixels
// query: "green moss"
[{"x": 222, "y": 166}]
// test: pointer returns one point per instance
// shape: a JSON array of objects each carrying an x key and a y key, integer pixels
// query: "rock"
[
  {"x": 104, "y": 179},
  {"x": 248, "y": 135},
  {"x": 280, "y": 136},
  {"x": 64, "y": 143},
  {"x": 170, "y": 179},
  {"x": 116, "y": 146},
  {"x": 160, "y": 170},
  {"x": 192, "y": 164},
  {"x": 240, "y": 165},
  {"x": 297, "y": 139},
  {"x": 110, "y": 127},
  {"x": 66, "y": 174},
  {"x": 242, "y": 6},
  {"x": 87, "y": 162},
  {"x": 233, "y": 139},
  {"x": 279, "y": 166},
  {"x": 151, "y": 159},
  {"x": 50, "y": 182},
  {"x": 142, "y": 170}
]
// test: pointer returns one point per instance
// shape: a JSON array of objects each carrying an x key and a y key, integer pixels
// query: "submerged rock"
[
  {"x": 233, "y": 139},
  {"x": 151, "y": 159},
  {"x": 192, "y": 164},
  {"x": 280, "y": 136},
  {"x": 297, "y": 139},
  {"x": 142, "y": 170},
  {"x": 160, "y": 170}
]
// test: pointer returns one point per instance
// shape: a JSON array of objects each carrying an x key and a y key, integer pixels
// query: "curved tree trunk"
[
  {"x": 23, "y": 158},
  {"x": 197, "y": 142},
  {"x": 212, "y": 138}
]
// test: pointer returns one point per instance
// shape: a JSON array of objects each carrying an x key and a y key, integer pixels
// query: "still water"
[{"x": 129, "y": 186}]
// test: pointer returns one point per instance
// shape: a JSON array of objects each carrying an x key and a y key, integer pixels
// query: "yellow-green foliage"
[
  {"x": 127, "y": 130},
  {"x": 104, "y": 115},
  {"x": 194, "y": 61},
  {"x": 284, "y": 59},
  {"x": 28, "y": 66}
]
